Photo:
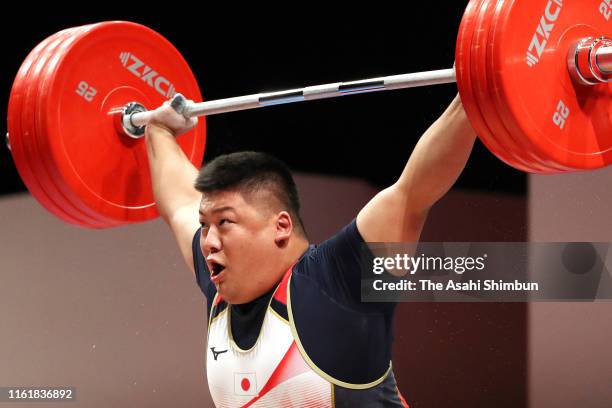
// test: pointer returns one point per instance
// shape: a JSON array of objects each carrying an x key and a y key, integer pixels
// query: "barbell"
[{"x": 534, "y": 78}]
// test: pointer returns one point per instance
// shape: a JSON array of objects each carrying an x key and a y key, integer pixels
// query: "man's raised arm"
[
  {"x": 173, "y": 176},
  {"x": 398, "y": 213}
]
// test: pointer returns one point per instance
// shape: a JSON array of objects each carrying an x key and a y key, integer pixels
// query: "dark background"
[{"x": 235, "y": 50}]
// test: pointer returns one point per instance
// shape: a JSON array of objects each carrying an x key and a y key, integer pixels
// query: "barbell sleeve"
[{"x": 604, "y": 59}]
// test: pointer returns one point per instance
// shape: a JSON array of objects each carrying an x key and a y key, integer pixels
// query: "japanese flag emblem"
[{"x": 245, "y": 384}]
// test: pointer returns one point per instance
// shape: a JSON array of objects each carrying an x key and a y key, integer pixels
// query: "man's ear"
[{"x": 284, "y": 228}]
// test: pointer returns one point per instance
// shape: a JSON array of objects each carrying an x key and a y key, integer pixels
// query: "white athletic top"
[{"x": 270, "y": 374}]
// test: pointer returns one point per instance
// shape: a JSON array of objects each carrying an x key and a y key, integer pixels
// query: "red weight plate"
[
  {"x": 112, "y": 64},
  {"x": 479, "y": 84},
  {"x": 482, "y": 82},
  {"x": 464, "y": 81},
  {"x": 22, "y": 139},
  {"x": 85, "y": 216},
  {"x": 526, "y": 147},
  {"x": 37, "y": 157},
  {"x": 37, "y": 80},
  {"x": 14, "y": 114},
  {"x": 518, "y": 144},
  {"x": 569, "y": 123}
]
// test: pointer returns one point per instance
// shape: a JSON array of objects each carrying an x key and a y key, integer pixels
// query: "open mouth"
[{"x": 216, "y": 268}]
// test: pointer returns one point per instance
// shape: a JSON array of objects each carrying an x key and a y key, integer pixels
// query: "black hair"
[{"x": 248, "y": 172}]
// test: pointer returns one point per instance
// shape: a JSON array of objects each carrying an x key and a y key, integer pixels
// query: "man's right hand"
[{"x": 166, "y": 118}]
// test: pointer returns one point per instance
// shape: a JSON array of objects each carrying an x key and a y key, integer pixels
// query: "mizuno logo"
[
  {"x": 137, "y": 67},
  {"x": 216, "y": 353},
  {"x": 542, "y": 34}
]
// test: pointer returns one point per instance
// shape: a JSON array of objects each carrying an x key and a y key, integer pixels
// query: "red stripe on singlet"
[
  {"x": 281, "y": 291},
  {"x": 404, "y": 403},
  {"x": 290, "y": 366}
]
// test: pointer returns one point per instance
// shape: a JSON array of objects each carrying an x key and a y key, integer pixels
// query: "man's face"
[{"x": 238, "y": 241}]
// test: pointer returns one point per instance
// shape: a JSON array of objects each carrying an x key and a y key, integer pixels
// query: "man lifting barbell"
[
  {"x": 292, "y": 311},
  {"x": 537, "y": 94}
]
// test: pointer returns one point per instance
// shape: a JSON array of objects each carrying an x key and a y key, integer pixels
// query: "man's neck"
[{"x": 296, "y": 248}]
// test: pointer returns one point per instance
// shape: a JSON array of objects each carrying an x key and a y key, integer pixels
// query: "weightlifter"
[{"x": 286, "y": 325}]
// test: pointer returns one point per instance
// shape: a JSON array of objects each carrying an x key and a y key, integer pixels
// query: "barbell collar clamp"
[
  {"x": 131, "y": 129},
  {"x": 590, "y": 61}
]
